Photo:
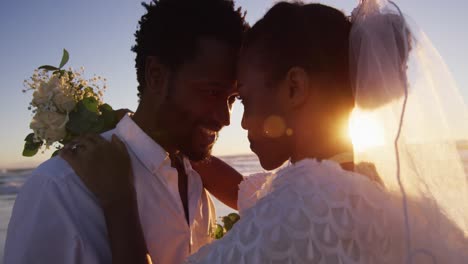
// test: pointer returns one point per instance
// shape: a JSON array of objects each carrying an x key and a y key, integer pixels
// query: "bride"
[{"x": 304, "y": 71}]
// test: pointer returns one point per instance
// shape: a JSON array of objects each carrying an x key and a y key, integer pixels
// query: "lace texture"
[
  {"x": 313, "y": 212},
  {"x": 252, "y": 188},
  {"x": 316, "y": 212}
]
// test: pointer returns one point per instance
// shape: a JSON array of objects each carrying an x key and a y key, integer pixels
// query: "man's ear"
[
  {"x": 156, "y": 76},
  {"x": 297, "y": 82}
]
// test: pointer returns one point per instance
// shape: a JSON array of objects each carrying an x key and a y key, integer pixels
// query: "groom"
[{"x": 185, "y": 61}]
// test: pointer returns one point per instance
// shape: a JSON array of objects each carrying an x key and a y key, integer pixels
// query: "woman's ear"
[
  {"x": 156, "y": 75},
  {"x": 297, "y": 82}
]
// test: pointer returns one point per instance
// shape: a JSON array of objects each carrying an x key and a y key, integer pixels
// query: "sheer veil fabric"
[{"x": 403, "y": 84}]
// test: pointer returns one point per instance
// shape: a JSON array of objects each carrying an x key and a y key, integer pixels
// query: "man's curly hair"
[{"x": 170, "y": 30}]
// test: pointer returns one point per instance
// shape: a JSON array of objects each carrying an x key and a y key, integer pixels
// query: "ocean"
[{"x": 12, "y": 180}]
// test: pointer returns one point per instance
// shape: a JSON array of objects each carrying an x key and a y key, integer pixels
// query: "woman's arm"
[
  {"x": 105, "y": 169},
  {"x": 125, "y": 233},
  {"x": 220, "y": 179}
]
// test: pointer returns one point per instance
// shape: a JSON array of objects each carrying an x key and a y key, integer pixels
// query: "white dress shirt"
[{"x": 56, "y": 219}]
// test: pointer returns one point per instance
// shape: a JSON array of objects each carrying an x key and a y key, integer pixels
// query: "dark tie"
[{"x": 177, "y": 161}]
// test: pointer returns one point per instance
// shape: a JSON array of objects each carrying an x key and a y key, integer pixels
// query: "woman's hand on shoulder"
[{"x": 103, "y": 166}]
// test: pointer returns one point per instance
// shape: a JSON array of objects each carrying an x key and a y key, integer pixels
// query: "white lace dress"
[{"x": 311, "y": 212}]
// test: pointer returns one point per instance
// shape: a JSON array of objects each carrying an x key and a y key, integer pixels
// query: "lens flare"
[
  {"x": 365, "y": 131},
  {"x": 274, "y": 127}
]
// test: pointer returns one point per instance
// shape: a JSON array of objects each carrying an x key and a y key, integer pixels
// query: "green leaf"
[
  {"x": 234, "y": 217},
  {"x": 91, "y": 104},
  {"x": 31, "y": 147},
  {"x": 30, "y": 138},
  {"x": 90, "y": 117},
  {"x": 48, "y": 68},
  {"x": 29, "y": 152},
  {"x": 105, "y": 108},
  {"x": 108, "y": 119},
  {"x": 228, "y": 223},
  {"x": 219, "y": 232},
  {"x": 84, "y": 119},
  {"x": 65, "y": 58}
]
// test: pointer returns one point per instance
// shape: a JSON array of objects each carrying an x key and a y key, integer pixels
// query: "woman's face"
[{"x": 264, "y": 117}]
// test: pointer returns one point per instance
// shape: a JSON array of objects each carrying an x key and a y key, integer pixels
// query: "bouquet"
[{"x": 64, "y": 106}]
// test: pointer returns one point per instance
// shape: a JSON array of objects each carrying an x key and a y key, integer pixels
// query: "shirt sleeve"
[{"x": 42, "y": 229}]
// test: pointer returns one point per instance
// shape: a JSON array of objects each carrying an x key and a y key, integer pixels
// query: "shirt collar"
[{"x": 150, "y": 153}]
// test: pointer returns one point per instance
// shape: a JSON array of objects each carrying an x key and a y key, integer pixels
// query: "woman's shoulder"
[
  {"x": 321, "y": 189},
  {"x": 306, "y": 215},
  {"x": 250, "y": 189},
  {"x": 327, "y": 179},
  {"x": 329, "y": 207},
  {"x": 305, "y": 177},
  {"x": 316, "y": 207}
]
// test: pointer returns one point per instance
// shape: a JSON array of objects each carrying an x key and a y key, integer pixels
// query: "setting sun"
[{"x": 364, "y": 130}]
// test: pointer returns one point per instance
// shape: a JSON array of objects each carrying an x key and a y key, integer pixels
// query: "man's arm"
[{"x": 220, "y": 179}]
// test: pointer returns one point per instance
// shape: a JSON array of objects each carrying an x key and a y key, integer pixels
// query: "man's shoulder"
[
  {"x": 55, "y": 188},
  {"x": 58, "y": 170},
  {"x": 54, "y": 204},
  {"x": 54, "y": 169},
  {"x": 54, "y": 176}
]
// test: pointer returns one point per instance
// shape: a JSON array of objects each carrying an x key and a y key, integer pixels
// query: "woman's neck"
[
  {"x": 320, "y": 153},
  {"x": 308, "y": 145},
  {"x": 321, "y": 135}
]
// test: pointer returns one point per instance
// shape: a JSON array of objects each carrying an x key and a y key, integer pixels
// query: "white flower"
[
  {"x": 45, "y": 91},
  {"x": 64, "y": 102},
  {"x": 54, "y": 96},
  {"x": 37, "y": 123},
  {"x": 49, "y": 126},
  {"x": 40, "y": 95},
  {"x": 39, "y": 98}
]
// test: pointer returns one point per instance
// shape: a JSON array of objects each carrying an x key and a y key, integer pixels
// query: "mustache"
[{"x": 211, "y": 125}]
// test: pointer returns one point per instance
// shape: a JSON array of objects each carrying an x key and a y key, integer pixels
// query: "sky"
[{"x": 99, "y": 35}]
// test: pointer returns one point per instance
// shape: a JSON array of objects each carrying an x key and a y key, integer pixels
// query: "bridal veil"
[{"x": 401, "y": 83}]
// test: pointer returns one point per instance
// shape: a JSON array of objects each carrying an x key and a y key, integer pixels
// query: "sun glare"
[{"x": 364, "y": 130}]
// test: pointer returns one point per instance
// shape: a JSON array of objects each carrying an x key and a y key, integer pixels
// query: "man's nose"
[{"x": 222, "y": 114}]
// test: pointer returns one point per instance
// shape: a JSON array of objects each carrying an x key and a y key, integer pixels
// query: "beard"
[
  {"x": 201, "y": 145},
  {"x": 199, "y": 140},
  {"x": 193, "y": 136}
]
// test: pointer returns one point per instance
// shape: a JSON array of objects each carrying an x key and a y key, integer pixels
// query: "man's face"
[{"x": 201, "y": 94}]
